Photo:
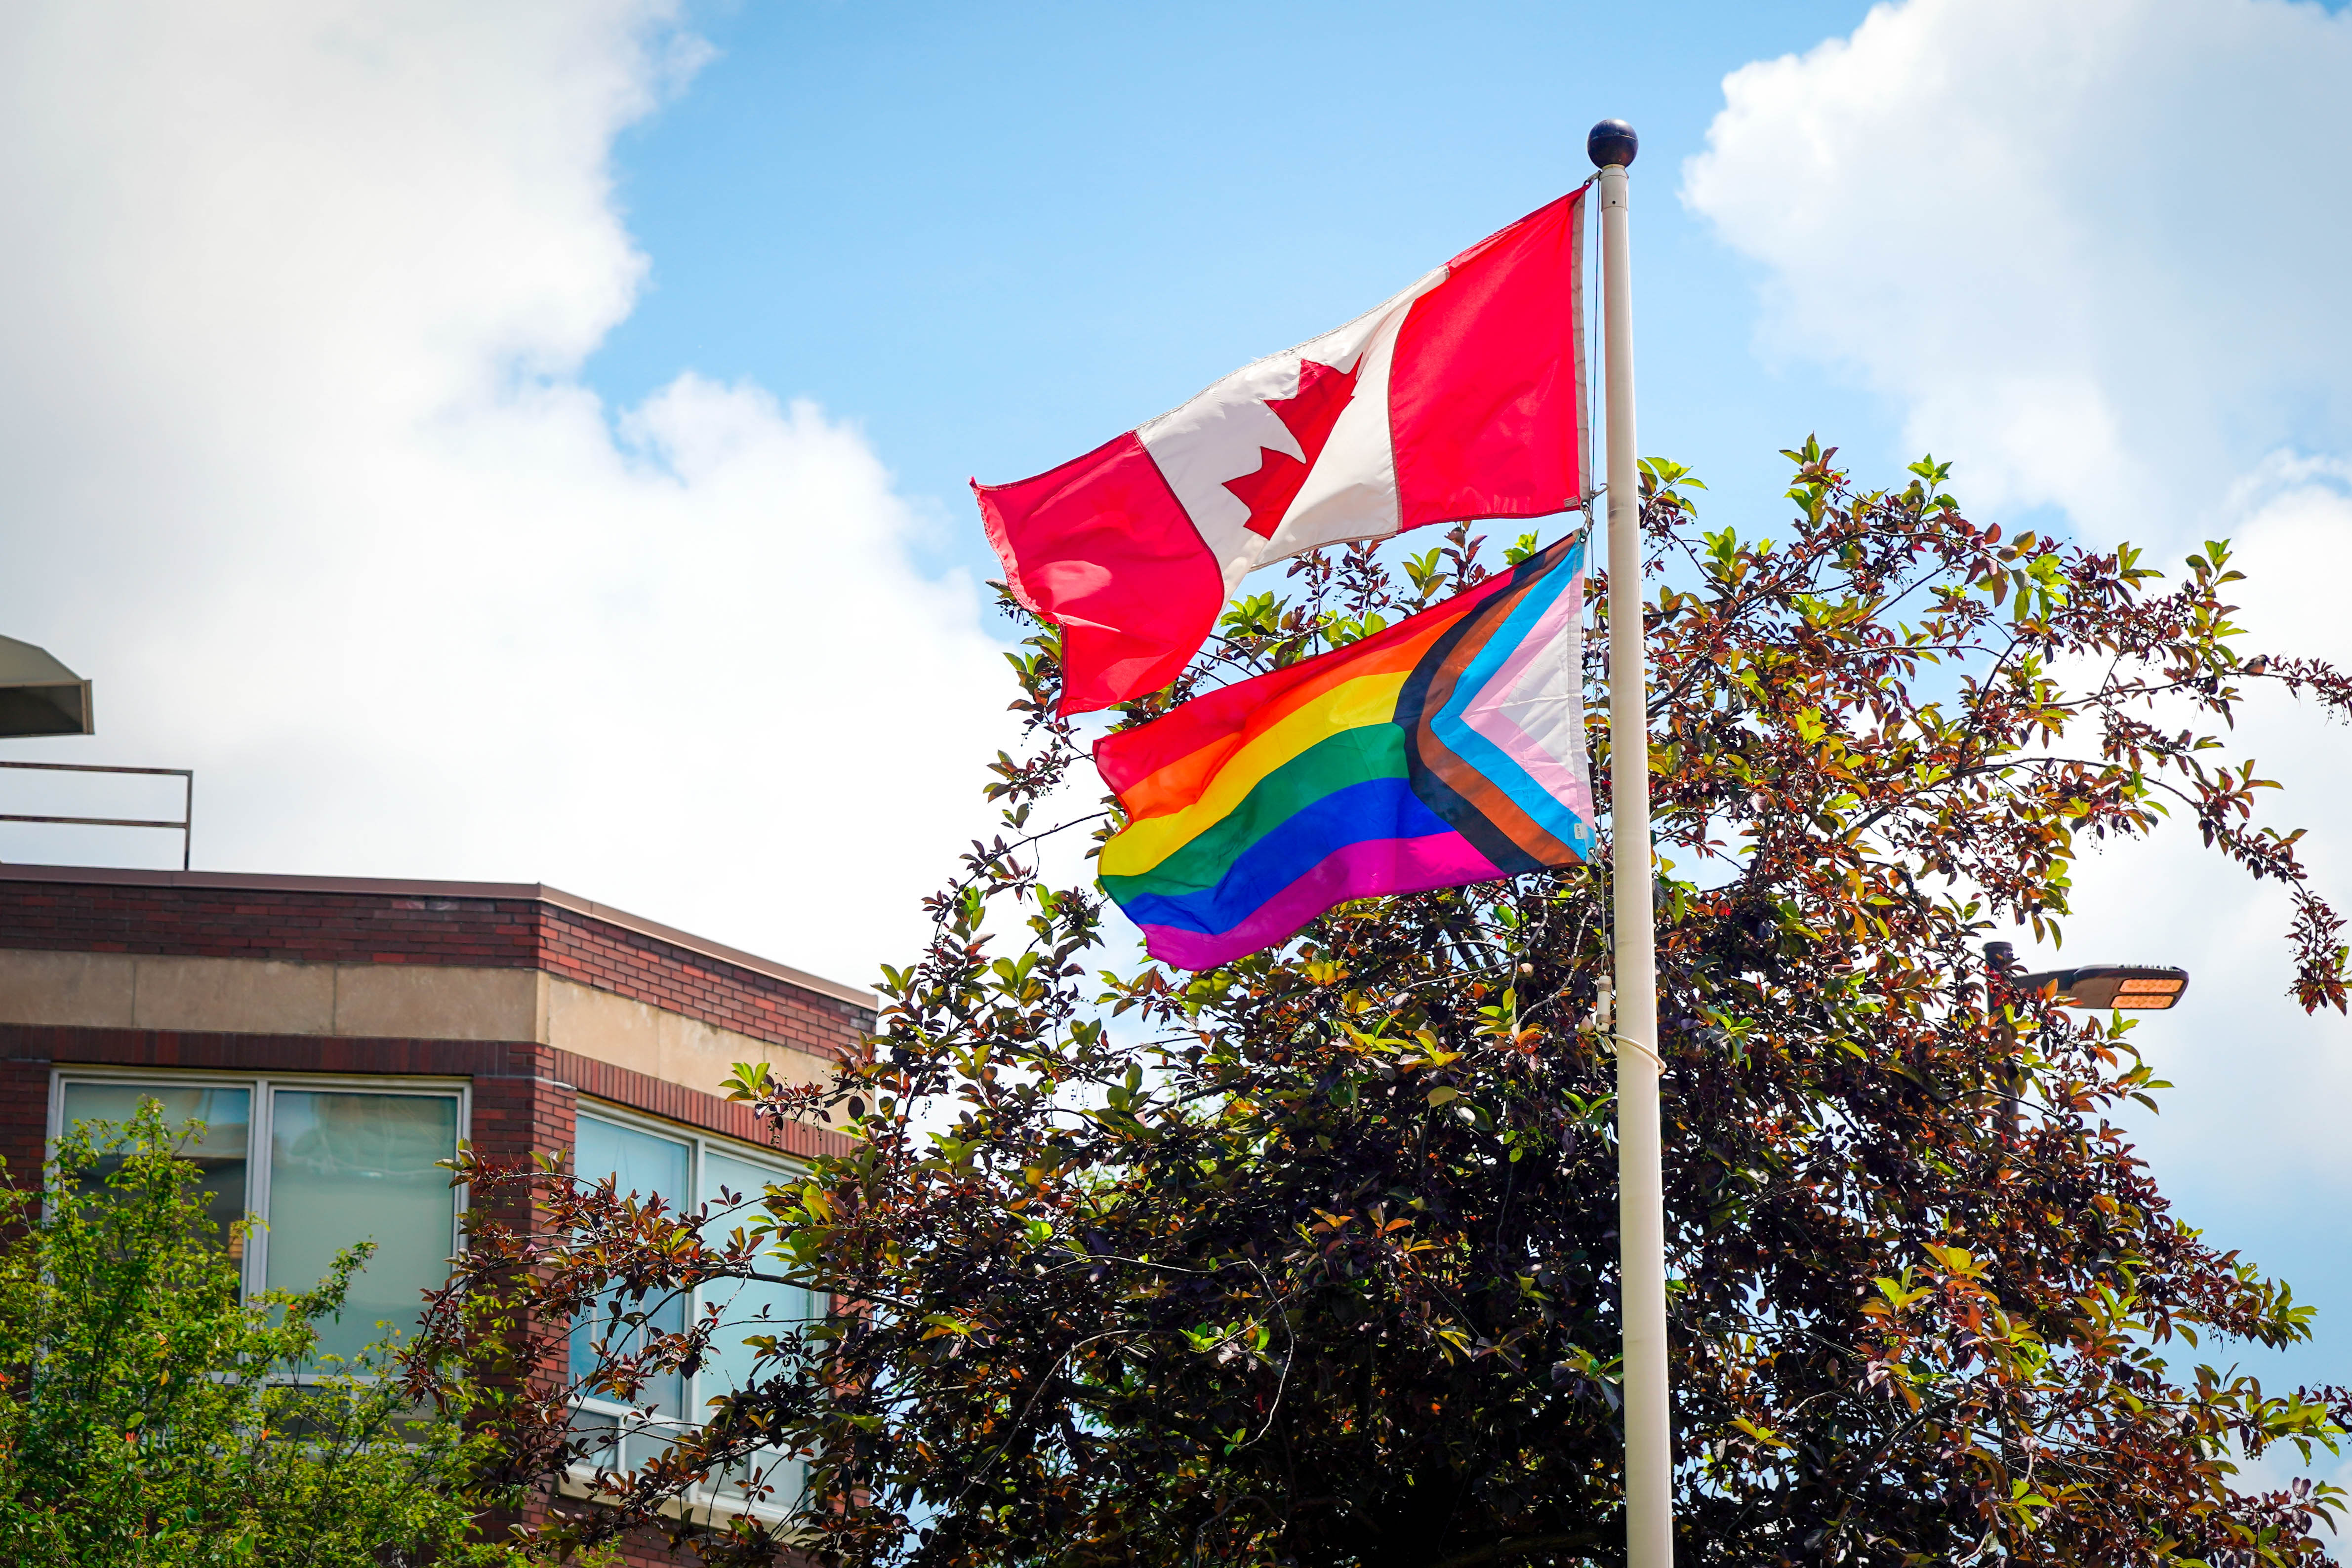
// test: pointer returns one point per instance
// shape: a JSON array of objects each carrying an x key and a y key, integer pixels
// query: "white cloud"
[
  {"x": 2260, "y": 1111},
  {"x": 293, "y": 302},
  {"x": 2093, "y": 250},
  {"x": 2094, "y": 254}
]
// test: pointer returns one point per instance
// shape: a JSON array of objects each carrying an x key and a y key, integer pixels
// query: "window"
[
  {"x": 325, "y": 1164},
  {"x": 671, "y": 1162}
]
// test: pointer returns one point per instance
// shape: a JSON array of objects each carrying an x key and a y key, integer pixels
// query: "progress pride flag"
[{"x": 1461, "y": 398}]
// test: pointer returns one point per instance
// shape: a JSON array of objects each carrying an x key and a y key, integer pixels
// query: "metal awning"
[{"x": 39, "y": 696}]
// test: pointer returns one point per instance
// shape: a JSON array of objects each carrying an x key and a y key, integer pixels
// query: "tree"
[
  {"x": 151, "y": 1417},
  {"x": 1312, "y": 1260}
]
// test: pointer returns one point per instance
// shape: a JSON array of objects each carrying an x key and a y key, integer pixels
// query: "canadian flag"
[{"x": 1461, "y": 398}]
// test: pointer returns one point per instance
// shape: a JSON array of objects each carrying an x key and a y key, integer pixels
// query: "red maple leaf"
[{"x": 1308, "y": 414}]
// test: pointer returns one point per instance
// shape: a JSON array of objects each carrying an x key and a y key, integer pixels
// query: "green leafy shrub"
[{"x": 149, "y": 1413}]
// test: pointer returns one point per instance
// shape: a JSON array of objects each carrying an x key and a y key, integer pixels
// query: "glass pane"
[
  {"x": 599, "y": 1434},
  {"x": 646, "y": 1164},
  {"x": 348, "y": 1167},
  {"x": 646, "y": 1443},
  {"x": 768, "y": 1484},
  {"x": 219, "y": 1154},
  {"x": 746, "y": 1307}
]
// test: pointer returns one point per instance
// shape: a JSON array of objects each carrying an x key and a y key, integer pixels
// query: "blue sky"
[
  {"x": 996, "y": 239},
  {"x": 528, "y": 442}
]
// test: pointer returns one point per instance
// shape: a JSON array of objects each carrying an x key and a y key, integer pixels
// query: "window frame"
[
  {"x": 253, "y": 1267},
  {"x": 703, "y": 1497}
]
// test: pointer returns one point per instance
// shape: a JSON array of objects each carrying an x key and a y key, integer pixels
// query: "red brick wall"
[
  {"x": 289, "y": 925},
  {"x": 23, "y": 1114},
  {"x": 292, "y": 925},
  {"x": 658, "y": 1097}
]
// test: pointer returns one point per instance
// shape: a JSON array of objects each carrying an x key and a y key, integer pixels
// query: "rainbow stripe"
[{"x": 1448, "y": 748}]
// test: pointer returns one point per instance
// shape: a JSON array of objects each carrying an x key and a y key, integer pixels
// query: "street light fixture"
[
  {"x": 2129, "y": 988},
  {"x": 2095, "y": 988}
]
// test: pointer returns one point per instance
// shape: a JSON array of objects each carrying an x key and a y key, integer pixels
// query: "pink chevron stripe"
[{"x": 1363, "y": 870}]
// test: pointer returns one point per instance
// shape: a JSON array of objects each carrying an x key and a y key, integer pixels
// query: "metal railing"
[{"x": 186, "y": 824}]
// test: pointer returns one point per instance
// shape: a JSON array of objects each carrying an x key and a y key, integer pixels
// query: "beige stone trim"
[
  {"x": 251, "y": 996},
  {"x": 659, "y": 1044},
  {"x": 93, "y": 990},
  {"x": 430, "y": 1002},
  {"x": 256, "y": 995}
]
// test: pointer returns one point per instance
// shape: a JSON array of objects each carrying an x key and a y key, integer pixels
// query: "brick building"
[{"x": 339, "y": 1036}]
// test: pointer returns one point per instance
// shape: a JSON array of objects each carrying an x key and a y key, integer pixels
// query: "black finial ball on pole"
[{"x": 1611, "y": 142}]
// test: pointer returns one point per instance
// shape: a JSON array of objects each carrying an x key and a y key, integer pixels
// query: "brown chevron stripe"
[{"x": 1483, "y": 796}]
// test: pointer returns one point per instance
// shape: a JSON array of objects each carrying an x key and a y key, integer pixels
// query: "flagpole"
[{"x": 1640, "y": 1197}]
